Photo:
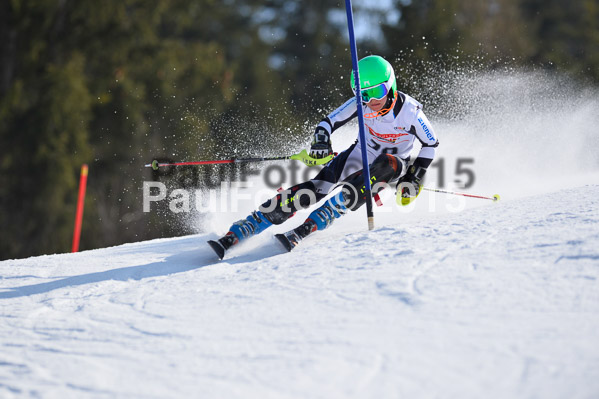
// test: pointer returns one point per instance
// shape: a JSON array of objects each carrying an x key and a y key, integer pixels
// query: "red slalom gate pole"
[{"x": 80, "y": 202}]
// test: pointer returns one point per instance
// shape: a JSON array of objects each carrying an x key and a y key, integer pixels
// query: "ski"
[
  {"x": 218, "y": 248},
  {"x": 289, "y": 239},
  {"x": 293, "y": 237},
  {"x": 221, "y": 245}
]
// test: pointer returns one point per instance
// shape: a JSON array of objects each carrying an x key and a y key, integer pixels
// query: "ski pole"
[
  {"x": 302, "y": 156},
  {"x": 494, "y": 198},
  {"x": 155, "y": 164}
]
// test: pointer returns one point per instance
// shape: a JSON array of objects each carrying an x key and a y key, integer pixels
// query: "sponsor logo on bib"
[{"x": 388, "y": 137}]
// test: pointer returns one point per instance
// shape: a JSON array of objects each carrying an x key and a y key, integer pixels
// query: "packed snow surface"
[
  {"x": 447, "y": 298},
  {"x": 496, "y": 301}
]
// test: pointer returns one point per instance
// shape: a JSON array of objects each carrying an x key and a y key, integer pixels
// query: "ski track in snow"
[{"x": 500, "y": 301}]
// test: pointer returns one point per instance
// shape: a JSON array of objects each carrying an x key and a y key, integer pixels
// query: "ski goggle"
[{"x": 377, "y": 92}]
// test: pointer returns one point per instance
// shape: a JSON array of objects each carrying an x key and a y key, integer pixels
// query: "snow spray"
[{"x": 509, "y": 131}]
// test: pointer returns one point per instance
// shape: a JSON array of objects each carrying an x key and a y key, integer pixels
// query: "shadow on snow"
[{"x": 177, "y": 263}]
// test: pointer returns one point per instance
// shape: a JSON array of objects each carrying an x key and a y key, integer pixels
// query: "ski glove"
[
  {"x": 410, "y": 184},
  {"x": 321, "y": 145}
]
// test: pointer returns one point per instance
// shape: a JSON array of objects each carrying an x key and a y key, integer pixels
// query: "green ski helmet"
[{"x": 377, "y": 78}]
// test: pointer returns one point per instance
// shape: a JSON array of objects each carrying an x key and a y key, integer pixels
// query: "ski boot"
[
  {"x": 320, "y": 219},
  {"x": 255, "y": 223}
]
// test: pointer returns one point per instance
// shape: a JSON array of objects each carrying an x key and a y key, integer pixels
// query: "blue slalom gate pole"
[{"x": 354, "y": 59}]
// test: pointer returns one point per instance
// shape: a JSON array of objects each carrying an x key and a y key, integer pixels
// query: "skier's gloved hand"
[
  {"x": 321, "y": 145},
  {"x": 409, "y": 185}
]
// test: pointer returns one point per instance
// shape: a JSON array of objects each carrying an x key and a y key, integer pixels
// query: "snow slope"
[
  {"x": 447, "y": 298},
  {"x": 498, "y": 301}
]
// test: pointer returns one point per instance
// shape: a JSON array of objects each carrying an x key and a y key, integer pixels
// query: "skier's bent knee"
[{"x": 284, "y": 205}]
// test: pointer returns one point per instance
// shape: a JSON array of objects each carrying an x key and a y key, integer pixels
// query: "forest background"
[{"x": 115, "y": 84}]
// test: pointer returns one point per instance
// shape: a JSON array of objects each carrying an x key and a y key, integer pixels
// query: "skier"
[{"x": 393, "y": 121}]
